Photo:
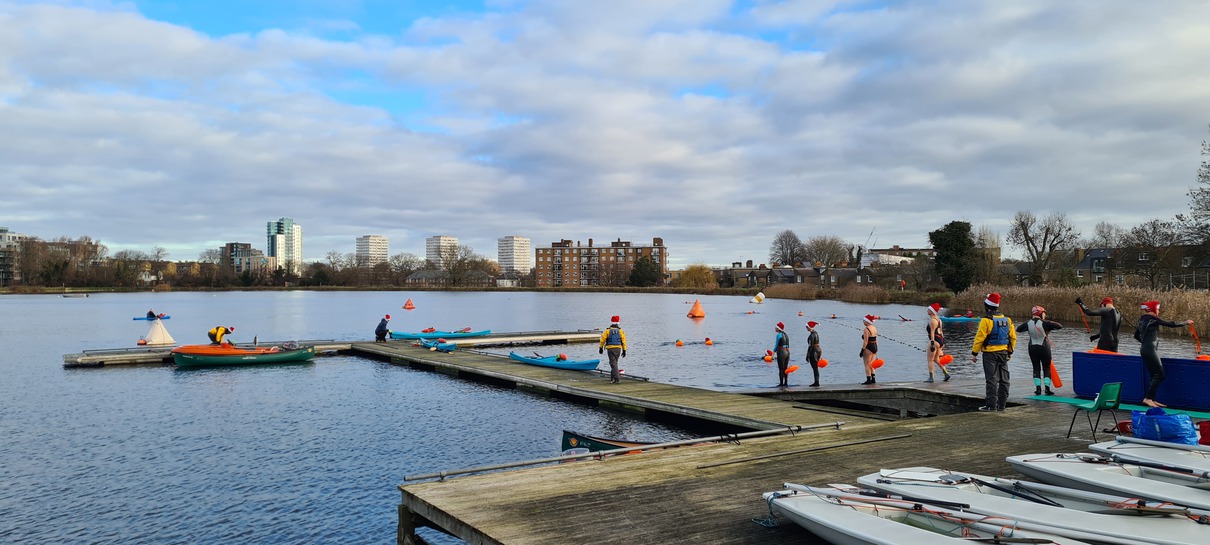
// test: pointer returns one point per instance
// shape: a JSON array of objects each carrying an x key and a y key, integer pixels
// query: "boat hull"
[
  {"x": 212, "y": 355},
  {"x": 418, "y": 335},
  {"x": 1126, "y": 479},
  {"x": 573, "y": 440},
  {"x": 552, "y": 361}
]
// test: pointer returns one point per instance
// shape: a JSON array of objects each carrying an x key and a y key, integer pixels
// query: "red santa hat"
[
  {"x": 993, "y": 300},
  {"x": 1107, "y": 301},
  {"x": 388, "y": 316},
  {"x": 935, "y": 308},
  {"x": 868, "y": 318},
  {"x": 1152, "y": 307},
  {"x": 812, "y": 324},
  {"x": 781, "y": 326},
  {"x": 615, "y": 320}
]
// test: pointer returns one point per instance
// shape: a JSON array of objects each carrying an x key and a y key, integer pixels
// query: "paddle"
[{"x": 1085, "y": 319}]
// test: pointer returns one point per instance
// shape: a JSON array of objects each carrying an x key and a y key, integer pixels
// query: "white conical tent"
[{"x": 158, "y": 336}]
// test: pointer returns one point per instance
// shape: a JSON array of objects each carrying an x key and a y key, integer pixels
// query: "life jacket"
[
  {"x": 998, "y": 336},
  {"x": 614, "y": 337}
]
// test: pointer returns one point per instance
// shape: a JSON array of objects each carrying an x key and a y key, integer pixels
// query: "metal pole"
[
  {"x": 730, "y": 437},
  {"x": 805, "y": 450}
]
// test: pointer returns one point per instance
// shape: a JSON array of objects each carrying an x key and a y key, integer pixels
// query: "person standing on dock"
[
  {"x": 996, "y": 339},
  {"x": 218, "y": 332},
  {"x": 869, "y": 347},
  {"x": 613, "y": 340},
  {"x": 1111, "y": 322},
  {"x": 781, "y": 349},
  {"x": 1147, "y": 332},
  {"x": 381, "y": 332},
  {"x": 1039, "y": 329},
  {"x": 936, "y": 341},
  {"x": 814, "y": 351}
]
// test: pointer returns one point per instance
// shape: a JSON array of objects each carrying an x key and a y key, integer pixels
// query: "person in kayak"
[
  {"x": 1147, "y": 332},
  {"x": 381, "y": 332},
  {"x": 936, "y": 341},
  {"x": 814, "y": 351},
  {"x": 781, "y": 348},
  {"x": 151, "y": 314},
  {"x": 996, "y": 339},
  {"x": 1039, "y": 329},
  {"x": 613, "y": 339},
  {"x": 218, "y": 333},
  {"x": 1111, "y": 322}
]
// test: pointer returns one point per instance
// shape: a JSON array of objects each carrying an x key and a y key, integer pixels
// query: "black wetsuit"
[
  {"x": 1111, "y": 321},
  {"x": 1039, "y": 347},
  {"x": 814, "y": 352},
  {"x": 1147, "y": 332}
]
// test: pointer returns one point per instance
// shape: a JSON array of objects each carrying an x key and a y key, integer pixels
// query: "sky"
[{"x": 711, "y": 124}]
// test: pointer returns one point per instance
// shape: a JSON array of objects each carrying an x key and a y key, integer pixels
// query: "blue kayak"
[
  {"x": 961, "y": 318},
  {"x": 412, "y": 336},
  {"x": 160, "y": 317},
  {"x": 553, "y": 361},
  {"x": 438, "y": 345}
]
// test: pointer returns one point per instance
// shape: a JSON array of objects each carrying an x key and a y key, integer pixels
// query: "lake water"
[{"x": 313, "y": 453}]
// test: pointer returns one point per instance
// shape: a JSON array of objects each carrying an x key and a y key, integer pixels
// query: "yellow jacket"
[
  {"x": 605, "y": 337},
  {"x": 985, "y": 330}
]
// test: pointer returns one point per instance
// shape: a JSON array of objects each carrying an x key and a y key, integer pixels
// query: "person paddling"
[
  {"x": 1147, "y": 332},
  {"x": 1111, "y": 322},
  {"x": 151, "y": 314}
]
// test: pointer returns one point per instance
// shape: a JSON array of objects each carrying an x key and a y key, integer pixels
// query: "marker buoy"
[
  {"x": 946, "y": 359},
  {"x": 822, "y": 363},
  {"x": 696, "y": 311},
  {"x": 877, "y": 363},
  {"x": 679, "y": 343},
  {"x": 791, "y": 369},
  {"x": 408, "y": 305},
  {"x": 768, "y": 359},
  {"x": 758, "y": 298}
]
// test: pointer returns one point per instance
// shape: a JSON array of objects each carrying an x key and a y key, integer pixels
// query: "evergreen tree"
[
  {"x": 646, "y": 272},
  {"x": 956, "y": 255}
]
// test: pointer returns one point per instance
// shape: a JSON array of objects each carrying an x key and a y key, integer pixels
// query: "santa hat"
[
  {"x": 615, "y": 320},
  {"x": 388, "y": 316},
  {"x": 812, "y": 324},
  {"x": 1152, "y": 307},
  {"x": 993, "y": 300},
  {"x": 868, "y": 318},
  {"x": 1038, "y": 310},
  {"x": 1107, "y": 301},
  {"x": 781, "y": 326},
  {"x": 935, "y": 308},
  {"x": 230, "y": 329}
]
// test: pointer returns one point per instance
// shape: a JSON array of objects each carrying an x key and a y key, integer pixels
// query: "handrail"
[{"x": 441, "y": 475}]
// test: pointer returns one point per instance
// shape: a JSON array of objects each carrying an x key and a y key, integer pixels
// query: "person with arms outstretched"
[
  {"x": 1147, "y": 332},
  {"x": 1111, "y": 322}
]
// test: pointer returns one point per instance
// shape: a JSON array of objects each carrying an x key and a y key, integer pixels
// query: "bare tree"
[
  {"x": 1041, "y": 238},
  {"x": 787, "y": 249},
  {"x": 210, "y": 255},
  {"x": 458, "y": 262},
  {"x": 1105, "y": 235},
  {"x": 613, "y": 273},
  {"x": 824, "y": 251},
  {"x": 1152, "y": 248},
  {"x": 403, "y": 265},
  {"x": 1199, "y": 201}
]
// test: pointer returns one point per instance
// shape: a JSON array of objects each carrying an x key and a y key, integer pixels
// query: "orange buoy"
[
  {"x": 768, "y": 359},
  {"x": 709, "y": 342},
  {"x": 408, "y": 305},
  {"x": 142, "y": 342},
  {"x": 822, "y": 363},
  {"x": 946, "y": 359},
  {"x": 800, "y": 313},
  {"x": 1203, "y": 356},
  {"x": 696, "y": 311},
  {"x": 791, "y": 369},
  {"x": 750, "y": 312},
  {"x": 877, "y": 363},
  {"x": 679, "y": 343},
  {"x": 1099, "y": 351}
]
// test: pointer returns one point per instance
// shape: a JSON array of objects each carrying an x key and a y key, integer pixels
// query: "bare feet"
[{"x": 1153, "y": 403}]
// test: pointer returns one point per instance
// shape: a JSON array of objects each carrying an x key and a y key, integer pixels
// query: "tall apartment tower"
[
  {"x": 285, "y": 244},
  {"x": 435, "y": 246},
  {"x": 371, "y": 250},
  {"x": 514, "y": 254}
]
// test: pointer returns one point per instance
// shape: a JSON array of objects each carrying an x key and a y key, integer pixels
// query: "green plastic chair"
[{"x": 1106, "y": 400}]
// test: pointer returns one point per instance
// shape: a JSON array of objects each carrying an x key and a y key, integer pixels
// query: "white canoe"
[
  {"x": 1100, "y": 474},
  {"x": 846, "y": 518},
  {"x": 1191, "y": 457},
  {"x": 1082, "y": 515}
]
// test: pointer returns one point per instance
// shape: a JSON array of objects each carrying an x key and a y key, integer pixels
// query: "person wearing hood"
[{"x": 1147, "y": 332}]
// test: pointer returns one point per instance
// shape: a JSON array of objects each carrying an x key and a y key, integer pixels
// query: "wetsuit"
[
  {"x": 380, "y": 332},
  {"x": 1039, "y": 350},
  {"x": 782, "y": 349},
  {"x": 1148, "y": 332},
  {"x": 996, "y": 339},
  {"x": 814, "y": 352},
  {"x": 1111, "y": 321}
]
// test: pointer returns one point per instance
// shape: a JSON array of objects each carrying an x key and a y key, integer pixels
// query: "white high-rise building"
[
  {"x": 435, "y": 246},
  {"x": 285, "y": 243},
  {"x": 514, "y": 254},
  {"x": 371, "y": 250}
]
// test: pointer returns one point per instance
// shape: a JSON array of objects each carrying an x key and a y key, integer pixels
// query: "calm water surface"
[{"x": 313, "y": 453}]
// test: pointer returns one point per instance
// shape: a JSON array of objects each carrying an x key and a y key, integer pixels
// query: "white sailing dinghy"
[
  {"x": 1075, "y": 513},
  {"x": 848, "y": 518},
  {"x": 1191, "y": 457},
  {"x": 158, "y": 335},
  {"x": 1135, "y": 479}
]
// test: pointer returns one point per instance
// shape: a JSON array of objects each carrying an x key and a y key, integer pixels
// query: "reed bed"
[
  {"x": 873, "y": 295},
  {"x": 1059, "y": 302},
  {"x": 800, "y": 292}
]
